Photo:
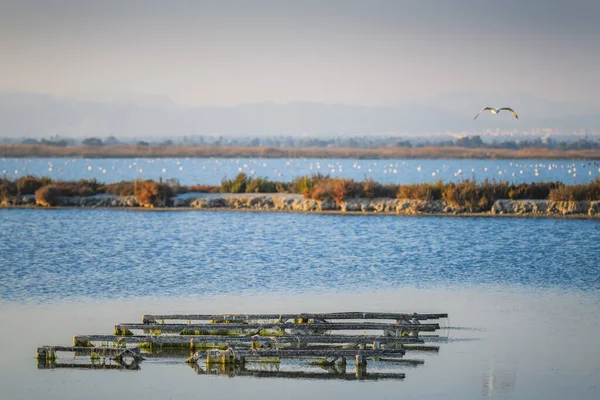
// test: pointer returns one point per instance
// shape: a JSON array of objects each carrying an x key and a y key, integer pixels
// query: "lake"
[
  {"x": 210, "y": 171},
  {"x": 523, "y": 296}
]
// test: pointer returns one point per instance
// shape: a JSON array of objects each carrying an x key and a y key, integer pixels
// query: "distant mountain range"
[{"x": 37, "y": 115}]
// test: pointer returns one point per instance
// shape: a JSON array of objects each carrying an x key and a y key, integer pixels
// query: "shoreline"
[{"x": 289, "y": 203}]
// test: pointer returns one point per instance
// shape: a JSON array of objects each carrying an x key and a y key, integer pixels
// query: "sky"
[{"x": 376, "y": 52}]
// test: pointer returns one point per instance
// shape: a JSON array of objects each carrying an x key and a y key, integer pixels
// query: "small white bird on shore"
[{"x": 497, "y": 110}]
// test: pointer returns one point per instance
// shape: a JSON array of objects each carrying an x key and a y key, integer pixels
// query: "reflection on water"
[
  {"x": 499, "y": 381},
  {"x": 518, "y": 339},
  {"x": 527, "y": 289}
]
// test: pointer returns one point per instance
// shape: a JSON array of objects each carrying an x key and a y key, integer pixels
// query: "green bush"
[
  {"x": 304, "y": 184},
  {"x": 236, "y": 185},
  {"x": 261, "y": 185}
]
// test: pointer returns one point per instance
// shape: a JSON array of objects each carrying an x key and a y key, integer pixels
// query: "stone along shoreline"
[{"x": 297, "y": 203}]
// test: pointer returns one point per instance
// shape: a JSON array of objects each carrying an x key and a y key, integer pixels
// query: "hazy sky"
[{"x": 364, "y": 52}]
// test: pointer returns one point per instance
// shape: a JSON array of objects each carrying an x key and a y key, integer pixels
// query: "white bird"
[{"x": 497, "y": 110}]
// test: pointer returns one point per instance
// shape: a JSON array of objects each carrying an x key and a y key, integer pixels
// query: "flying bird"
[{"x": 497, "y": 110}]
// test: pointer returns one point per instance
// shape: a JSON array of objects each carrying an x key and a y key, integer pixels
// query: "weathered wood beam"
[
  {"x": 402, "y": 361},
  {"x": 258, "y": 326},
  {"x": 185, "y": 339},
  {"x": 152, "y": 318},
  {"x": 44, "y": 351}
]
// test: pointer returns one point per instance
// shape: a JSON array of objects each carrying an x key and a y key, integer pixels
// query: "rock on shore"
[{"x": 296, "y": 203}]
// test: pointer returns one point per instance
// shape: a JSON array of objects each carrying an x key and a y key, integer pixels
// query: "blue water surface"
[
  {"x": 210, "y": 171},
  {"x": 48, "y": 255}
]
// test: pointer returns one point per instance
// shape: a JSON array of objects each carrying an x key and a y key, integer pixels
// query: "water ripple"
[{"x": 49, "y": 255}]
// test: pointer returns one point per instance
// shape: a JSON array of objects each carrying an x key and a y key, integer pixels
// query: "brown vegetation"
[
  {"x": 421, "y": 191},
  {"x": 122, "y": 188},
  {"x": 122, "y": 151},
  {"x": 468, "y": 195},
  {"x": 152, "y": 194},
  {"x": 590, "y": 191},
  {"x": 8, "y": 190},
  {"x": 203, "y": 189},
  {"x": 47, "y": 195}
]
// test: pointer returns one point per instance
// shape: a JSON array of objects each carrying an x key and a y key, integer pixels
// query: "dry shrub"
[
  {"x": 71, "y": 189},
  {"x": 421, "y": 191},
  {"x": 590, "y": 192},
  {"x": 475, "y": 197},
  {"x": 175, "y": 186},
  {"x": 203, "y": 189},
  {"x": 345, "y": 189},
  {"x": 152, "y": 194},
  {"x": 334, "y": 189},
  {"x": 92, "y": 184},
  {"x": 321, "y": 191},
  {"x": 490, "y": 191},
  {"x": 373, "y": 189},
  {"x": 122, "y": 188},
  {"x": 8, "y": 191},
  {"x": 533, "y": 190},
  {"x": 303, "y": 184},
  {"x": 464, "y": 194},
  {"x": 29, "y": 184},
  {"x": 47, "y": 196},
  {"x": 282, "y": 187}
]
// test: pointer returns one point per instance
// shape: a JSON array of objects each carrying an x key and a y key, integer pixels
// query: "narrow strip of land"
[{"x": 133, "y": 151}]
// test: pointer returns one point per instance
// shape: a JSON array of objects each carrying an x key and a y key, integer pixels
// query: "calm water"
[
  {"x": 211, "y": 170},
  {"x": 526, "y": 290}
]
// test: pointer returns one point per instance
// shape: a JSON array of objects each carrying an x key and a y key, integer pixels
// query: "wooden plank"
[
  {"x": 153, "y": 318},
  {"x": 257, "y": 326},
  {"x": 422, "y": 348},
  {"x": 80, "y": 350},
  {"x": 185, "y": 339},
  {"x": 402, "y": 361}
]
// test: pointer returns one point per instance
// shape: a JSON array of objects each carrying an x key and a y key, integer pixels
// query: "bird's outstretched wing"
[
  {"x": 482, "y": 110},
  {"x": 511, "y": 110}
]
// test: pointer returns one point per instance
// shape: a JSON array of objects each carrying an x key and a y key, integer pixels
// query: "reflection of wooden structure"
[
  {"x": 330, "y": 373},
  {"x": 118, "y": 358},
  {"x": 229, "y": 342}
]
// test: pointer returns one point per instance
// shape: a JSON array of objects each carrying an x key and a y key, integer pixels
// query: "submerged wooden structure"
[{"x": 227, "y": 343}]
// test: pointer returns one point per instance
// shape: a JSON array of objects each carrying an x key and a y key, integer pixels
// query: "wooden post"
[
  {"x": 342, "y": 365},
  {"x": 361, "y": 365}
]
